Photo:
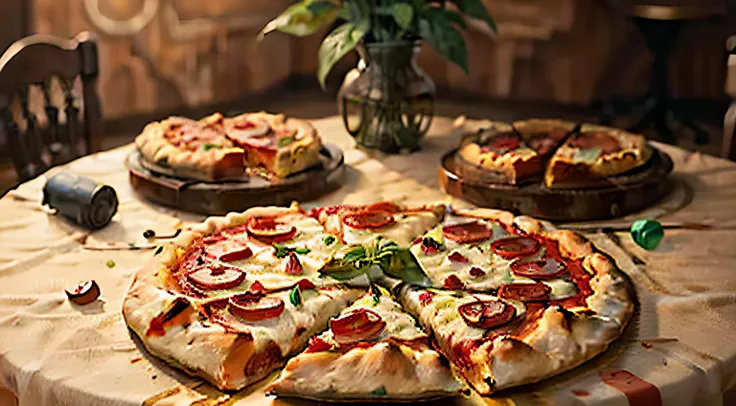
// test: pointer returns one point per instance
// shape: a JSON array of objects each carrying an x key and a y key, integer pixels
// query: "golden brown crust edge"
[{"x": 563, "y": 339}]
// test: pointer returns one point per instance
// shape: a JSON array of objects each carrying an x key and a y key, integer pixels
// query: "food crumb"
[
  {"x": 136, "y": 359},
  {"x": 581, "y": 393},
  {"x": 646, "y": 345},
  {"x": 664, "y": 361},
  {"x": 110, "y": 263},
  {"x": 154, "y": 377}
]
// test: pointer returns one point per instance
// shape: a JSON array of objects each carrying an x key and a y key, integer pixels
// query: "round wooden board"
[
  {"x": 218, "y": 198},
  {"x": 627, "y": 193}
]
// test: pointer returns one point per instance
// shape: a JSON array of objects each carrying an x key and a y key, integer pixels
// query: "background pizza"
[{"x": 418, "y": 303}]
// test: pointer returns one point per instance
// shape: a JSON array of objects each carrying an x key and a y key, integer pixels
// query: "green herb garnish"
[
  {"x": 377, "y": 252},
  {"x": 110, "y": 263},
  {"x": 329, "y": 240},
  {"x": 381, "y": 391},
  {"x": 283, "y": 251},
  {"x": 285, "y": 141},
  {"x": 207, "y": 147},
  {"x": 376, "y": 293},
  {"x": 432, "y": 243},
  {"x": 295, "y": 297}
]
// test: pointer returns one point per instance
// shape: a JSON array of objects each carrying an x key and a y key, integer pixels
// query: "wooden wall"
[{"x": 160, "y": 55}]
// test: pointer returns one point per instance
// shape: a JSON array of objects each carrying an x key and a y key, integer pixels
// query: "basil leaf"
[
  {"x": 340, "y": 41},
  {"x": 207, "y": 147},
  {"x": 376, "y": 293},
  {"x": 403, "y": 266},
  {"x": 295, "y": 297},
  {"x": 381, "y": 391},
  {"x": 432, "y": 243},
  {"x": 285, "y": 141},
  {"x": 281, "y": 251},
  {"x": 354, "y": 254},
  {"x": 302, "y": 251},
  {"x": 329, "y": 240}
]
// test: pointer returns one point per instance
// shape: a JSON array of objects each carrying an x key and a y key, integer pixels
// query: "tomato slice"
[
  {"x": 253, "y": 307},
  {"x": 526, "y": 292},
  {"x": 268, "y": 230},
  {"x": 384, "y": 206},
  {"x": 452, "y": 282},
  {"x": 237, "y": 255},
  {"x": 317, "y": 344},
  {"x": 457, "y": 257},
  {"x": 487, "y": 314},
  {"x": 467, "y": 233},
  {"x": 476, "y": 272},
  {"x": 368, "y": 220},
  {"x": 359, "y": 325},
  {"x": 502, "y": 144},
  {"x": 306, "y": 284},
  {"x": 216, "y": 277},
  {"x": 547, "y": 268},
  {"x": 293, "y": 266},
  {"x": 514, "y": 247}
]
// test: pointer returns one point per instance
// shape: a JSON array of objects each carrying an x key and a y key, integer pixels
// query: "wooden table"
[{"x": 51, "y": 353}]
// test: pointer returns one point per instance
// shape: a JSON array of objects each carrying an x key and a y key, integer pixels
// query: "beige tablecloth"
[{"x": 53, "y": 353}]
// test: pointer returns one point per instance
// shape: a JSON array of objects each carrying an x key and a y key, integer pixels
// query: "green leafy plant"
[{"x": 439, "y": 22}]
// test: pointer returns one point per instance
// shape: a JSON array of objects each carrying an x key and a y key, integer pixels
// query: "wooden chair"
[
  {"x": 729, "y": 122},
  {"x": 54, "y": 134}
]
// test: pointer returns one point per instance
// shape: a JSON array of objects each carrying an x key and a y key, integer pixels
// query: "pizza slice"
[
  {"x": 196, "y": 149},
  {"x": 261, "y": 249},
  {"x": 594, "y": 154},
  {"x": 373, "y": 351},
  {"x": 544, "y": 135},
  {"x": 482, "y": 250},
  {"x": 230, "y": 341},
  {"x": 355, "y": 224},
  {"x": 270, "y": 141},
  {"x": 496, "y": 343},
  {"x": 501, "y": 151}
]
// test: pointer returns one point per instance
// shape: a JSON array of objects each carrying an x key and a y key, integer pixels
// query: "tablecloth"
[{"x": 682, "y": 341}]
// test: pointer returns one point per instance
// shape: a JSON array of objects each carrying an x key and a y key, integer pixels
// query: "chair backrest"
[{"x": 47, "y": 118}]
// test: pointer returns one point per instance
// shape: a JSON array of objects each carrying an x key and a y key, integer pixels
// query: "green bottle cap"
[{"x": 647, "y": 233}]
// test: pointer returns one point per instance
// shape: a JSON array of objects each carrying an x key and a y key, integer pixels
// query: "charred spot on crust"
[
  {"x": 175, "y": 308},
  {"x": 489, "y": 381}
]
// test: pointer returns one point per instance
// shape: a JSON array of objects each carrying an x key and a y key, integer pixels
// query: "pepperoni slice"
[
  {"x": 453, "y": 282},
  {"x": 476, "y": 272},
  {"x": 487, "y": 314},
  {"x": 268, "y": 230},
  {"x": 526, "y": 292},
  {"x": 293, "y": 266},
  {"x": 514, "y": 247},
  {"x": 216, "y": 277},
  {"x": 359, "y": 325},
  {"x": 457, "y": 257},
  {"x": 544, "y": 269},
  {"x": 317, "y": 344},
  {"x": 598, "y": 139},
  {"x": 368, "y": 220},
  {"x": 236, "y": 255},
  {"x": 253, "y": 307},
  {"x": 502, "y": 144},
  {"x": 467, "y": 233},
  {"x": 384, "y": 206}
]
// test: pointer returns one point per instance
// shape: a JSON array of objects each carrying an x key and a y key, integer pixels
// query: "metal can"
[{"x": 81, "y": 199}]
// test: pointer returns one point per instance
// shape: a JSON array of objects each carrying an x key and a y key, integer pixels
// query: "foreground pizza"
[{"x": 501, "y": 301}]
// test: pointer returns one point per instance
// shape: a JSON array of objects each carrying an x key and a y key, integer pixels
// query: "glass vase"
[{"x": 387, "y": 102}]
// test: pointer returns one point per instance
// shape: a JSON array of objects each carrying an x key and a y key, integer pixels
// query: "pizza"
[
  {"x": 216, "y": 147},
  {"x": 593, "y": 154},
  {"x": 373, "y": 350},
  {"x": 566, "y": 154},
  {"x": 520, "y": 301},
  {"x": 415, "y": 307}
]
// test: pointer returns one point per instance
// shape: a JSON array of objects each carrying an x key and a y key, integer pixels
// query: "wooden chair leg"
[{"x": 729, "y": 126}]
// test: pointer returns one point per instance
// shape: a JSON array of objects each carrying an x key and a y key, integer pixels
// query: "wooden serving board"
[
  {"x": 221, "y": 197},
  {"x": 621, "y": 195}
]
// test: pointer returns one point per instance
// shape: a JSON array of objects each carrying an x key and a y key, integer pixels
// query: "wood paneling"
[{"x": 162, "y": 55}]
